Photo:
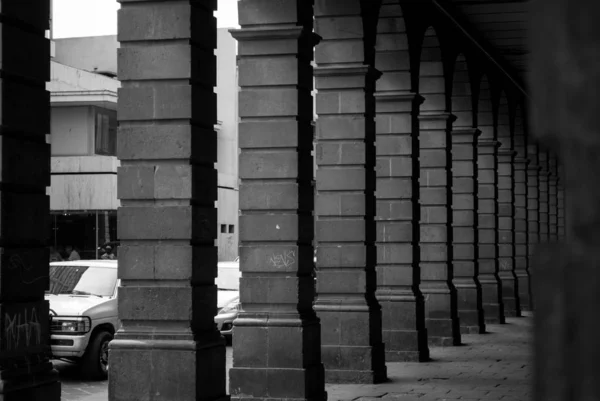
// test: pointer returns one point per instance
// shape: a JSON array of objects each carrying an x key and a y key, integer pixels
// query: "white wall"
[
  {"x": 66, "y": 78},
  {"x": 228, "y": 215},
  {"x": 84, "y": 183},
  {"x": 227, "y": 143},
  {"x": 71, "y": 131},
  {"x": 91, "y": 53}
]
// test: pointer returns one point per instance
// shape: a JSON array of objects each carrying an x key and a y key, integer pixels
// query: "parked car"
[
  {"x": 83, "y": 310},
  {"x": 228, "y": 300}
]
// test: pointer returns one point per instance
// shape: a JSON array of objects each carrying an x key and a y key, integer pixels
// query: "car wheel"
[{"x": 95, "y": 360}]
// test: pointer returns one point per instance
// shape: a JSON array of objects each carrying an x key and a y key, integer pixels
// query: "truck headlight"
[{"x": 70, "y": 325}]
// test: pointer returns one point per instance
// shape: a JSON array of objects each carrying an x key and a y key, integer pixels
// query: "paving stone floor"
[{"x": 492, "y": 366}]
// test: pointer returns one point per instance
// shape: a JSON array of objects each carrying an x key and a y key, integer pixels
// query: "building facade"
[
  {"x": 448, "y": 193},
  {"x": 83, "y": 197},
  {"x": 83, "y": 133}
]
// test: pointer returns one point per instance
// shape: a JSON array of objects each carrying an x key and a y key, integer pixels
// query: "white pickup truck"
[{"x": 83, "y": 309}]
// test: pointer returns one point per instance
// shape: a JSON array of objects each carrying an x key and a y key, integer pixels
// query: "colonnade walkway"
[{"x": 492, "y": 366}]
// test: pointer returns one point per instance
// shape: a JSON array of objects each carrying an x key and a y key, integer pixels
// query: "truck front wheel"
[{"x": 94, "y": 363}]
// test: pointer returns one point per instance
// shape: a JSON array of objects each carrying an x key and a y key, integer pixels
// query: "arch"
[
  {"x": 431, "y": 73},
  {"x": 485, "y": 109},
  {"x": 503, "y": 127},
  {"x": 392, "y": 55},
  {"x": 462, "y": 99}
]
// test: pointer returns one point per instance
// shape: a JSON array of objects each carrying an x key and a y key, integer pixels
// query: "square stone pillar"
[
  {"x": 464, "y": 206},
  {"x": 168, "y": 347},
  {"x": 553, "y": 198},
  {"x": 398, "y": 274},
  {"x": 352, "y": 347},
  {"x": 560, "y": 217},
  {"x": 533, "y": 208},
  {"x": 544, "y": 179},
  {"x": 26, "y": 372},
  {"x": 506, "y": 231},
  {"x": 487, "y": 221},
  {"x": 435, "y": 186},
  {"x": 521, "y": 227},
  {"x": 277, "y": 336}
]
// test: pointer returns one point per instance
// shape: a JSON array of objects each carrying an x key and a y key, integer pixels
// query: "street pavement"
[{"x": 492, "y": 366}]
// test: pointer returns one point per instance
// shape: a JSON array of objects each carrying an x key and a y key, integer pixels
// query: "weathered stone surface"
[
  {"x": 27, "y": 373},
  {"x": 488, "y": 236},
  {"x": 352, "y": 347},
  {"x": 544, "y": 196},
  {"x": 167, "y": 221},
  {"x": 436, "y": 236},
  {"x": 464, "y": 234},
  {"x": 277, "y": 336},
  {"x": 398, "y": 274}
]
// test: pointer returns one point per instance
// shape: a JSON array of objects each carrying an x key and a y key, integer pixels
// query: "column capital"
[
  {"x": 437, "y": 116},
  {"x": 488, "y": 143},
  {"x": 399, "y": 96},
  {"x": 465, "y": 135},
  {"x": 523, "y": 161},
  {"x": 350, "y": 69},
  {"x": 507, "y": 152}
]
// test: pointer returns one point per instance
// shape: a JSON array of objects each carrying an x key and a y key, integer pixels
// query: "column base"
[
  {"x": 524, "y": 291},
  {"x": 18, "y": 385},
  {"x": 407, "y": 356},
  {"x": 410, "y": 346},
  {"x": 469, "y": 312},
  {"x": 369, "y": 364},
  {"x": 509, "y": 296},
  {"x": 183, "y": 370},
  {"x": 493, "y": 307},
  {"x": 494, "y": 314},
  {"x": 277, "y": 384},
  {"x": 471, "y": 322},
  {"x": 511, "y": 308},
  {"x": 404, "y": 333},
  {"x": 443, "y": 332}
]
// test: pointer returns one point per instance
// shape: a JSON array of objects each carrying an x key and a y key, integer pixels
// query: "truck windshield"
[{"x": 82, "y": 280}]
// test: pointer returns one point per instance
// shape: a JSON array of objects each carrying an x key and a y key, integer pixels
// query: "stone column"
[
  {"x": 168, "y": 346},
  {"x": 521, "y": 240},
  {"x": 544, "y": 178},
  {"x": 552, "y": 198},
  {"x": 520, "y": 196},
  {"x": 441, "y": 313},
  {"x": 27, "y": 373},
  {"x": 561, "y": 202},
  {"x": 352, "y": 347},
  {"x": 533, "y": 208},
  {"x": 464, "y": 202},
  {"x": 398, "y": 274},
  {"x": 506, "y": 258},
  {"x": 506, "y": 215},
  {"x": 487, "y": 217},
  {"x": 277, "y": 336}
]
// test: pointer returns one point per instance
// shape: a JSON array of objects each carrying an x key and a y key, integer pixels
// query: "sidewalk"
[{"x": 493, "y": 366}]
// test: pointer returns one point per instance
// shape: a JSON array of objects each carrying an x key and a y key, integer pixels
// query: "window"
[
  {"x": 106, "y": 132},
  {"x": 231, "y": 229},
  {"x": 223, "y": 228},
  {"x": 82, "y": 280}
]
